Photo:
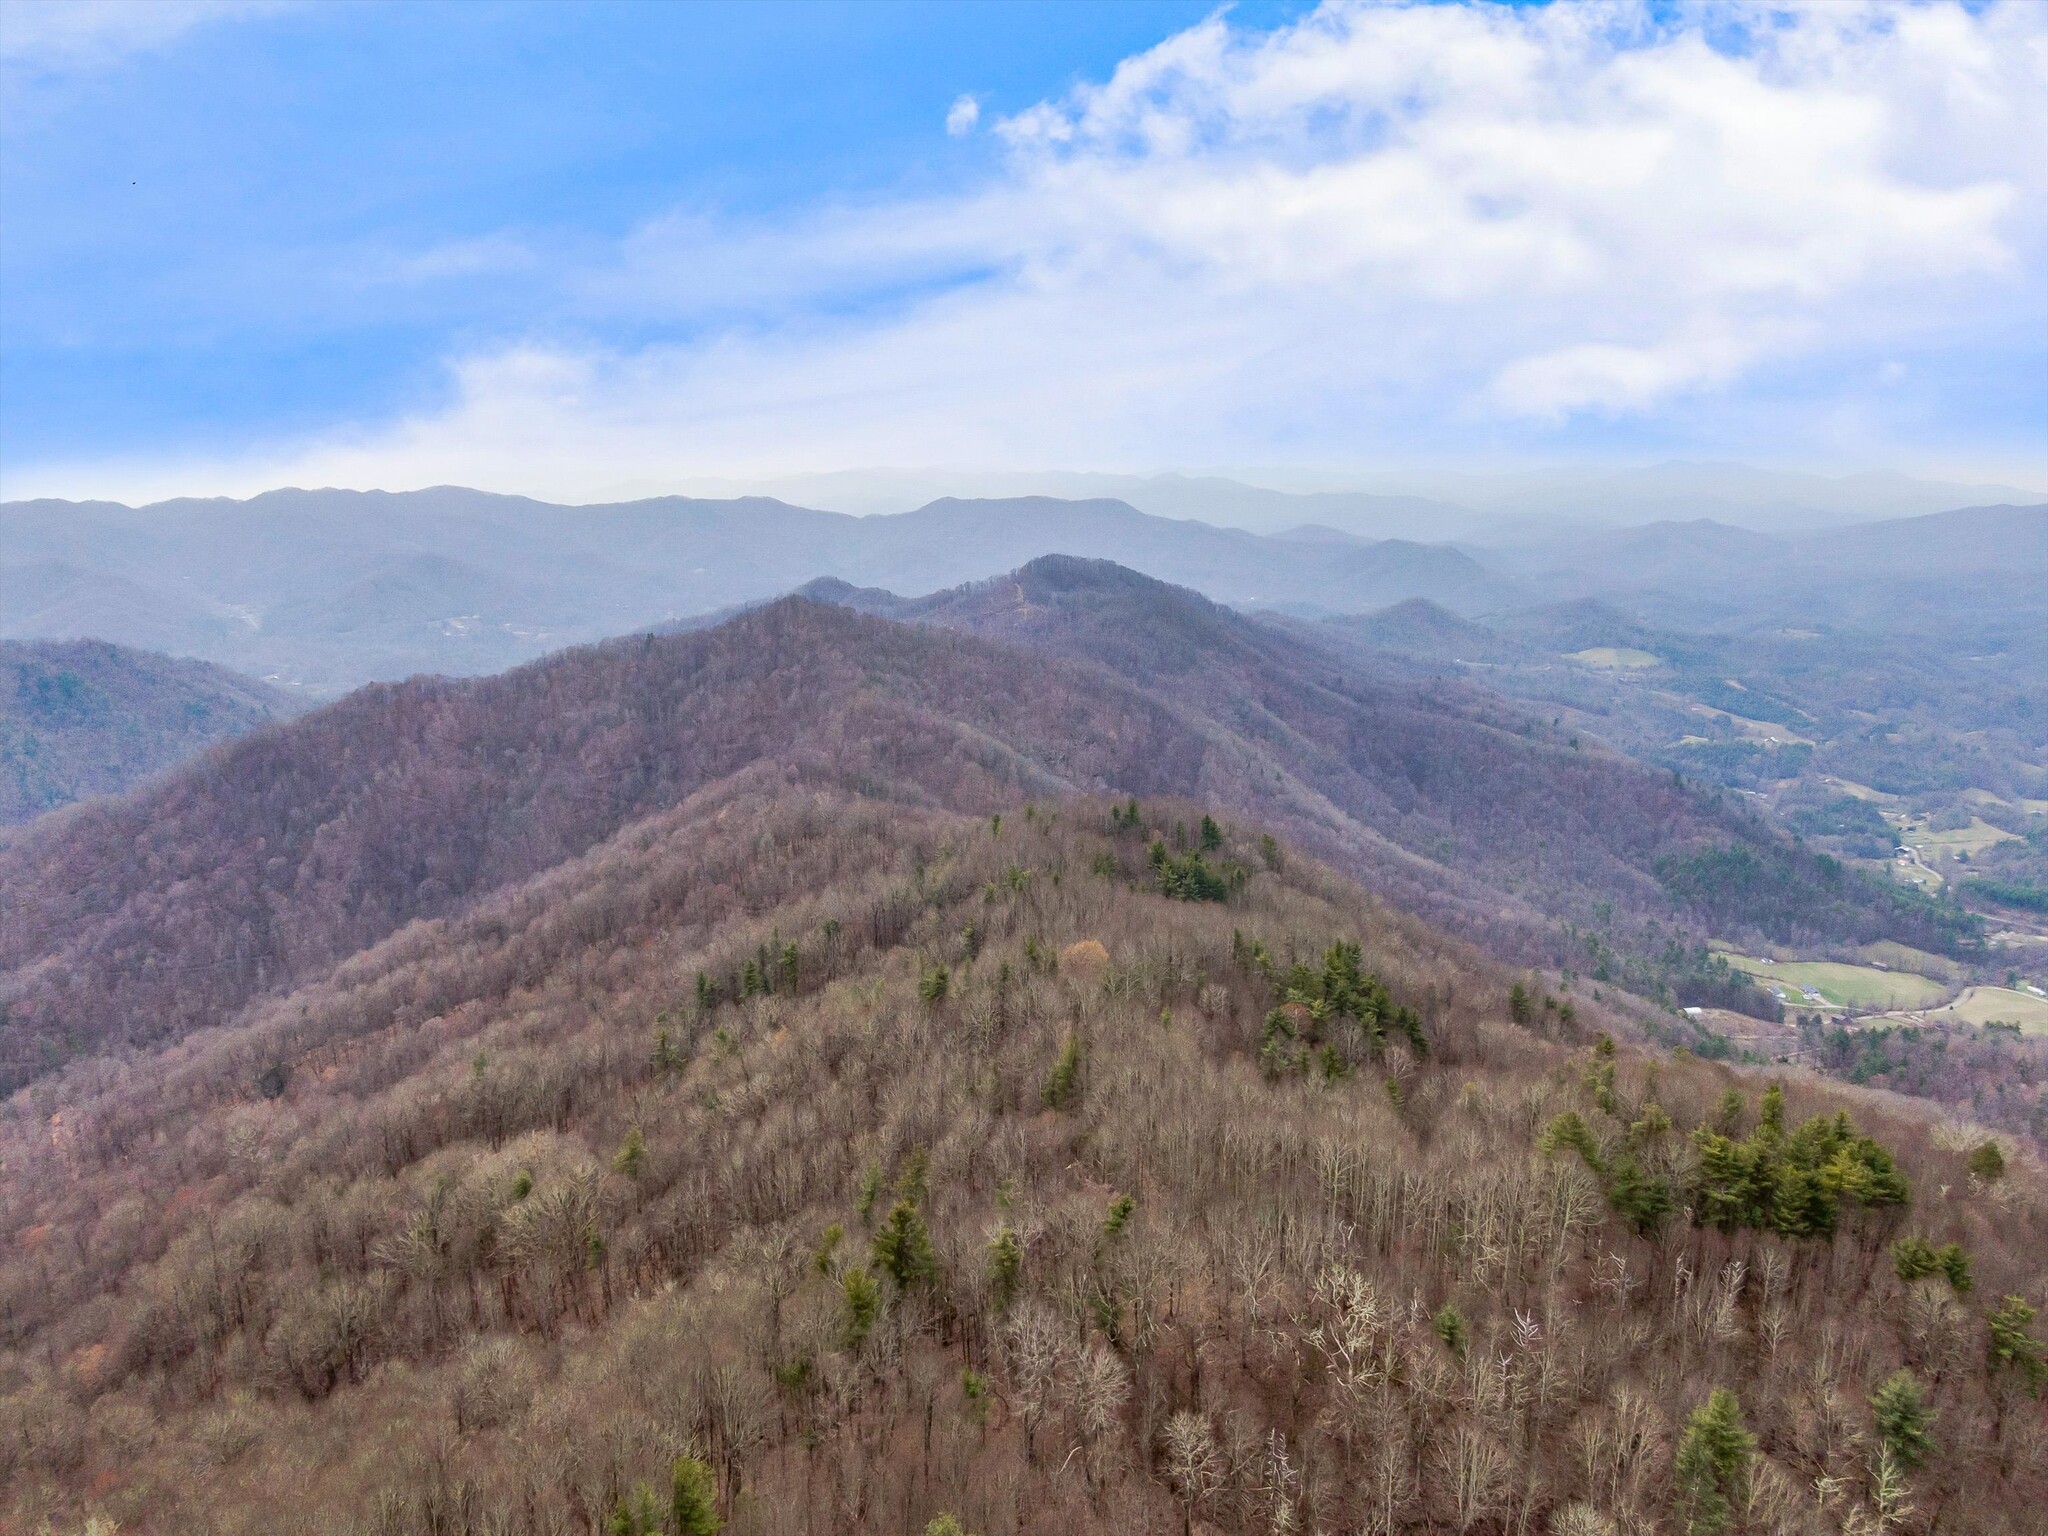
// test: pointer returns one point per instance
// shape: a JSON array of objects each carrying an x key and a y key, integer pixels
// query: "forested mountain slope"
[
  {"x": 812, "y": 1163},
  {"x": 86, "y": 718},
  {"x": 1453, "y": 772},
  {"x": 1970, "y": 570},
  {"x": 138, "y": 920}
]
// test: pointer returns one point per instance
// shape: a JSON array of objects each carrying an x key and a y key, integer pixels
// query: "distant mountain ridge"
[
  {"x": 1478, "y": 507},
  {"x": 1960, "y": 569},
  {"x": 334, "y": 588},
  {"x": 329, "y": 589}
]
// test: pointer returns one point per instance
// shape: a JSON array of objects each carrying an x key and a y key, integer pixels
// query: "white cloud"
[
  {"x": 487, "y": 256},
  {"x": 962, "y": 116},
  {"x": 1384, "y": 226},
  {"x": 86, "y": 34}
]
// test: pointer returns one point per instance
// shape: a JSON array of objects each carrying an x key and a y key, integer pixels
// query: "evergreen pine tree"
[
  {"x": 863, "y": 1299},
  {"x": 1899, "y": 1409},
  {"x": 1450, "y": 1327},
  {"x": 693, "y": 1499},
  {"x": 1713, "y": 1464},
  {"x": 1987, "y": 1162},
  {"x": 2011, "y": 1347},
  {"x": 903, "y": 1247},
  {"x": 1005, "y": 1267},
  {"x": 632, "y": 1156}
]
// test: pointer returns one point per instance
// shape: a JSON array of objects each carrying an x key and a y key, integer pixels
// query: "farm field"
[
  {"x": 1973, "y": 839},
  {"x": 1614, "y": 656},
  {"x": 1986, "y": 1005},
  {"x": 1858, "y": 791},
  {"x": 1902, "y": 957},
  {"x": 1756, "y": 730},
  {"x": 1843, "y": 986}
]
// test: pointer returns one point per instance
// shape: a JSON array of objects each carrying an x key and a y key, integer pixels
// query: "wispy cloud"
[
  {"x": 962, "y": 115},
  {"x": 486, "y": 256},
  {"x": 1386, "y": 225},
  {"x": 90, "y": 34}
]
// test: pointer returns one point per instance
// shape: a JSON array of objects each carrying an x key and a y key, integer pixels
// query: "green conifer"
[
  {"x": 1713, "y": 1465},
  {"x": 1899, "y": 1409}
]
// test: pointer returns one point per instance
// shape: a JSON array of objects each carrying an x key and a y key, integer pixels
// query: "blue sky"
[{"x": 557, "y": 248}]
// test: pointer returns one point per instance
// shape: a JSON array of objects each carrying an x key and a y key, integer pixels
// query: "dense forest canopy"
[
  {"x": 802, "y": 1163},
  {"x": 136, "y": 920}
]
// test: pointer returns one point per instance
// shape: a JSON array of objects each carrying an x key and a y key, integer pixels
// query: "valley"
[{"x": 1833, "y": 985}]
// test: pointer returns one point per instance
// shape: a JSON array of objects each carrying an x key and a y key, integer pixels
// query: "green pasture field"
[
  {"x": 1858, "y": 791},
  {"x": 1756, "y": 730},
  {"x": 1974, "y": 838},
  {"x": 1903, "y": 957},
  {"x": 2001, "y": 1005},
  {"x": 1843, "y": 986}
]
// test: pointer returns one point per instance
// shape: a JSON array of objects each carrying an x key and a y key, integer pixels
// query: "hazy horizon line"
[{"x": 1291, "y": 480}]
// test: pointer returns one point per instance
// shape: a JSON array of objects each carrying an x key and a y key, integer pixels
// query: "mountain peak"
[{"x": 1076, "y": 573}]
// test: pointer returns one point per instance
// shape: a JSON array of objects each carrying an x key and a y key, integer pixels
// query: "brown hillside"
[
  {"x": 1462, "y": 779},
  {"x": 136, "y": 921},
  {"x": 141, "y": 919},
  {"x": 81, "y": 718},
  {"x": 512, "y": 1214}
]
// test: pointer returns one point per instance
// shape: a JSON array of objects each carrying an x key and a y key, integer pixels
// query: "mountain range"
[
  {"x": 1471, "y": 506},
  {"x": 275, "y": 857},
  {"x": 323, "y": 590},
  {"x": 1971, "y": 567},
  {"x": 319, "y": 591},
  {"x": 839, "y": 1069},
  {"x": 1054, "y": 1053}
]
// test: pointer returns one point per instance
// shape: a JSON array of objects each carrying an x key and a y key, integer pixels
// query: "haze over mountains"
[
  {"x": 327, "y": 589},
  {"x": 81, "y": 718},
  {"x": 1427, "y": 506},
  {"x": 323, "y": 590}
]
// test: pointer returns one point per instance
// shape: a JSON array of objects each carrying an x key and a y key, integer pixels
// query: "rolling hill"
[
  {"x": 1455, "y": 775},
  {"x": 1971, "y": 571},
  {"x": 86, "y": 718},
  {"x": 283, "y": 853}
]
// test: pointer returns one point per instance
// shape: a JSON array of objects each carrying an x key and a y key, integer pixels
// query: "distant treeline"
[
  {"x": 2010, "y": 893},
  {"x": 1793, "y": 896}
]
